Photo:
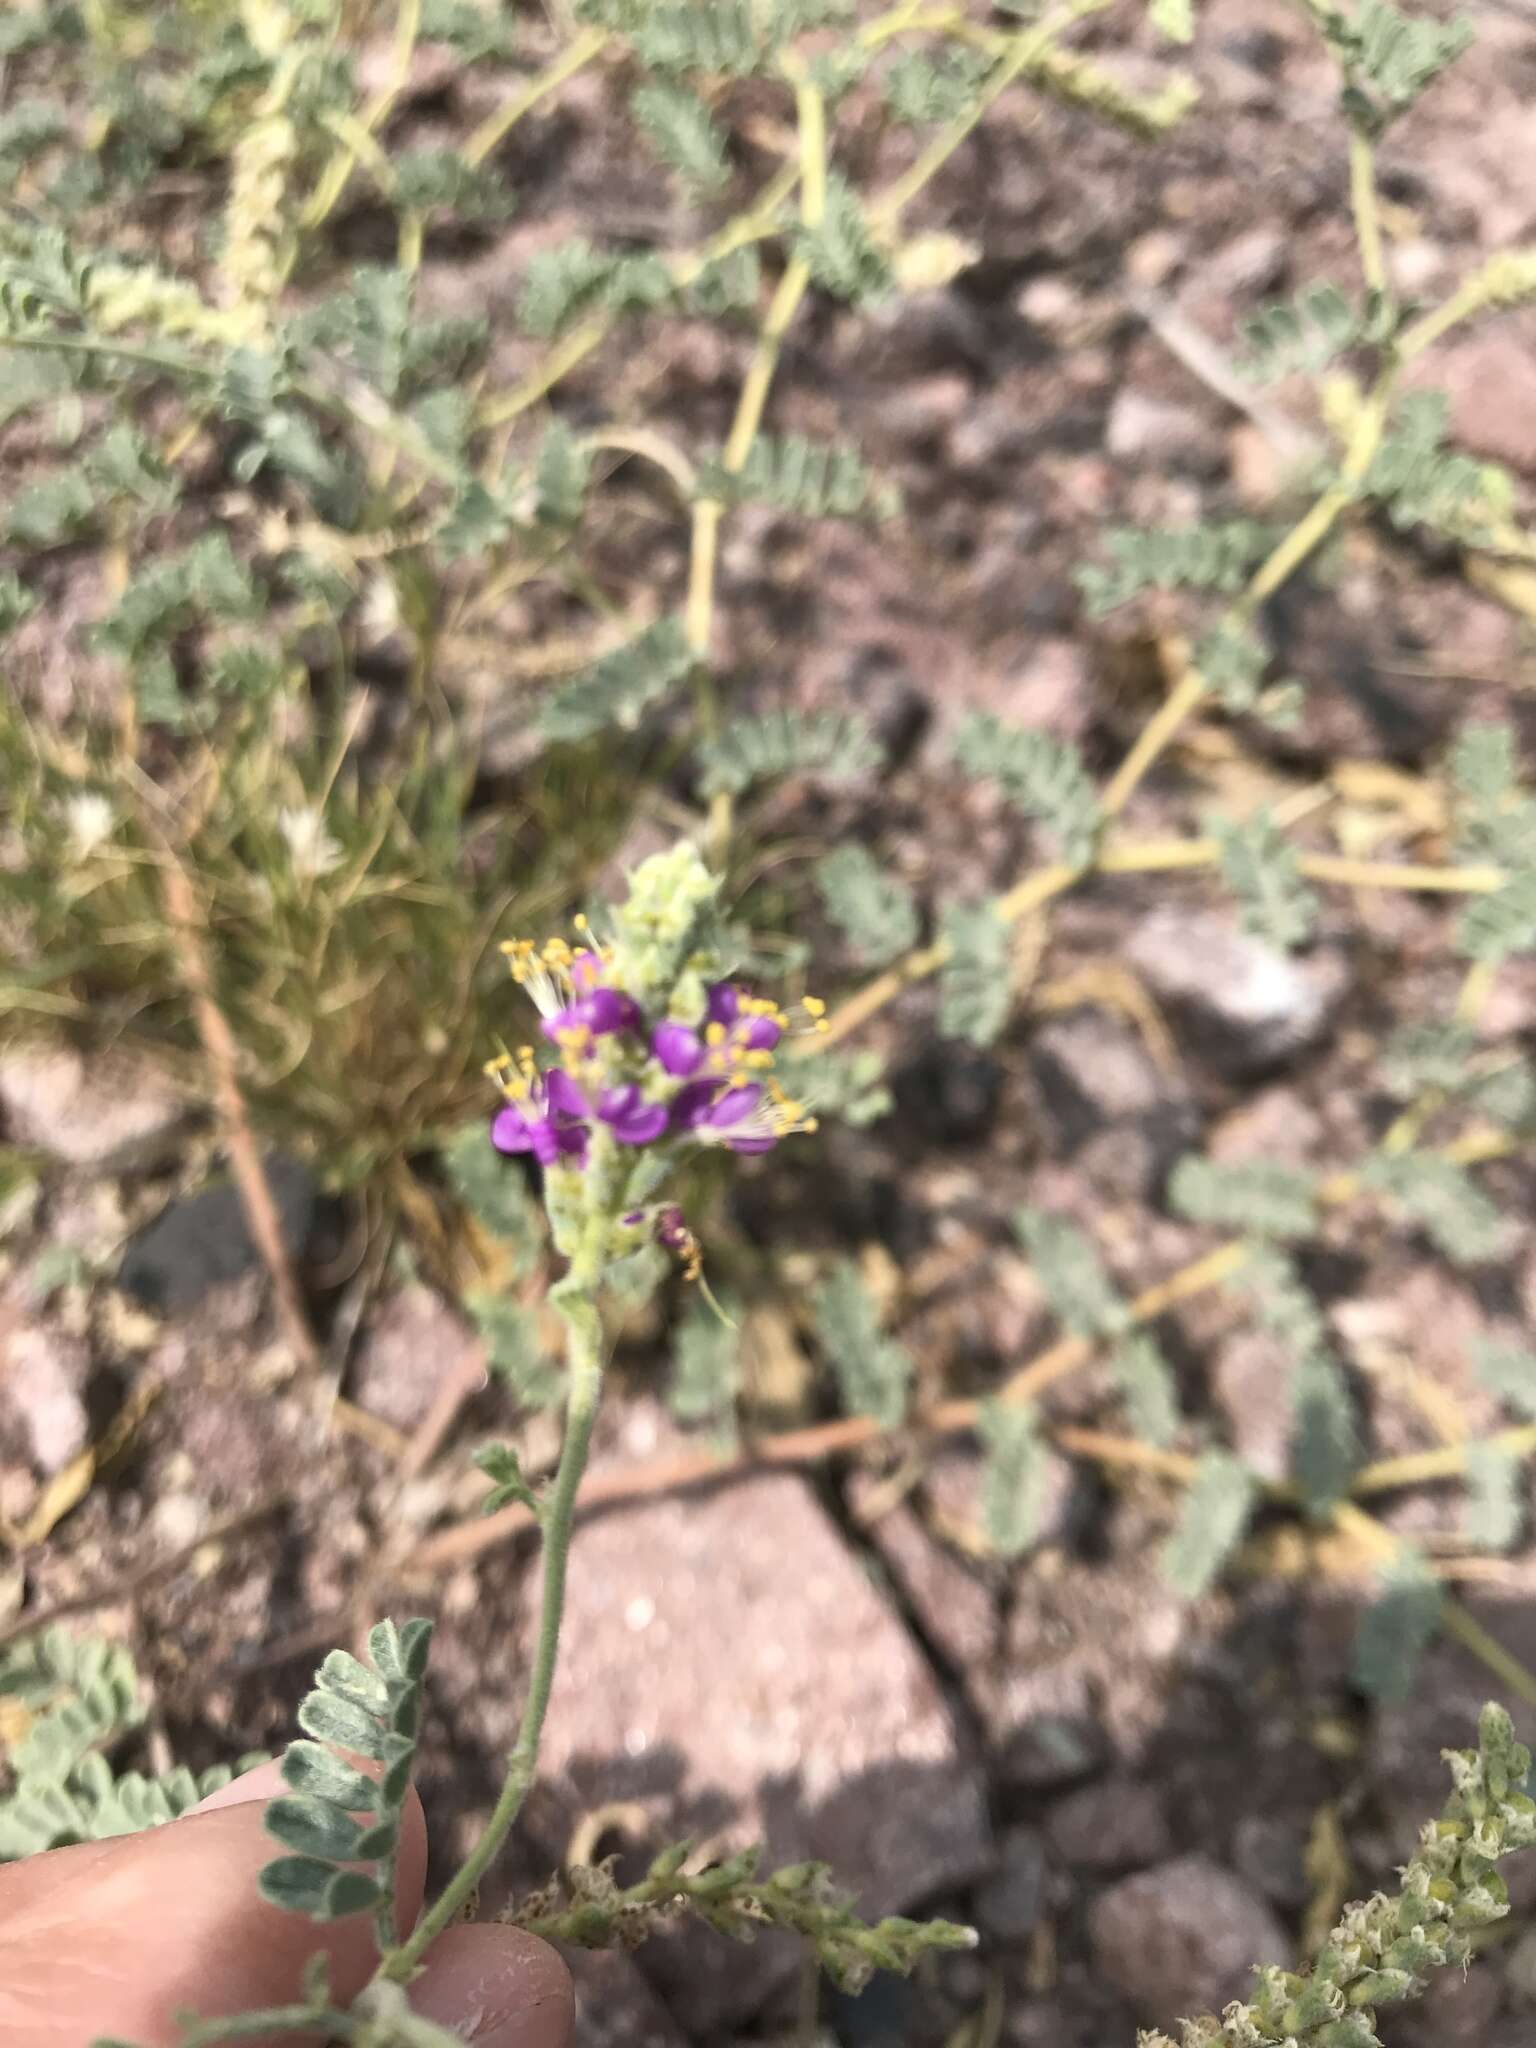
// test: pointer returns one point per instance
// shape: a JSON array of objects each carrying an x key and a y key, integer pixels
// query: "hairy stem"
[
  {"x": 585, "y": 1369},
  {"x": 1362, "y": 199}
]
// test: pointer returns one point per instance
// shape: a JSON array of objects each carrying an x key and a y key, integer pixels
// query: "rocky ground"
[{"x": 1131, "y": 1798}]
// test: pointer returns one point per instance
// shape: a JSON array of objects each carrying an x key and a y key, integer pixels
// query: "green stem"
[
  {"x": 575, "y": 1299},
  {"x": 1362, "y": 198}
]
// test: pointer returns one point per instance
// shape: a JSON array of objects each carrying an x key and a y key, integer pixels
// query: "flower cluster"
[{"x": 701, "y": 1070}]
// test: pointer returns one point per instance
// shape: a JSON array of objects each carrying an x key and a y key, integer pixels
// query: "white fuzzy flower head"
[
  {"x": 90, "y": 821},
  {"x": 311, "y": 848}
]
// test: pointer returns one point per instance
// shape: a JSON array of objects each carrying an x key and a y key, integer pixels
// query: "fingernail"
[{"x": 265, "y": 1782}]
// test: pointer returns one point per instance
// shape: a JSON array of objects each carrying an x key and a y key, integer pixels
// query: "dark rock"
[
  {"x": 879, "y": 2016},
  {"x": 1047, "y": 1751},
  {"x": 1183, "y": 1938},
  {"x": 881, "y": 690},
  {"x": 1248, "y": 1007},
  {"x": 200, "y": 1241},
  {"x": 1271, "y": 1854},
  {"x": 1118, "y": 1824},
  {"x": 1104, "y": 1098},
  {"x": 949, "y": 1093},
  {"x": 727, "y": 1664},
  {"x": 615, "y": 2005},
  {"x": 1008, "y": 1905}
]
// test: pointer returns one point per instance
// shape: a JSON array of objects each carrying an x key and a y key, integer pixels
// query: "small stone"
[
  {"x": 1050, "y": 301},
  {"x": 920, "y": 413},
  {"x": 1008, "y": 1905},
  {"x": 1117, "y": 1824},
  {"x": 1152, "y": 430},
  {"x": 1105, "y": 1099},
  {"x": 1249, "y": 1007},
  {"x": 110, "y": 1116},
  {"x": 1153, "y": 258},
  {"x": 1491, "y": 384},
  {"x": 727, "y": 1718},
  {"x": 1251, "y": 1381},
  {"x": 1052, "y": 1750},
  {"x": 995, "y": 431},
  {"x": 45, "y": 1373},
  {"x": 410, "y": 1342},
  {"x": 200, "y": 1241},
  {"x": 1183, "y": 1937}
]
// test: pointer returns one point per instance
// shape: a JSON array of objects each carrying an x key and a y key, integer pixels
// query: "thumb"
[{"x": 118, "y": 1937}]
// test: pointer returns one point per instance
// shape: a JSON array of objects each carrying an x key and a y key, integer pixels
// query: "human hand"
[{"x": 117, "y": 1937}]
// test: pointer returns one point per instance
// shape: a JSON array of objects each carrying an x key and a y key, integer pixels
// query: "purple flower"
[
  {"x": 632, "y": 1119},
  {"x": 595, "y": 1008},
  {"x": 734, "y": 1026},
  {"x": 678, "y": 1047},
  {"x": 744, "y": 1117},
  {"x": 542, "y": 1115}
]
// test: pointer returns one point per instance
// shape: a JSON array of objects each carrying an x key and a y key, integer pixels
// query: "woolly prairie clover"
[{"x": 649, "y": 1049}]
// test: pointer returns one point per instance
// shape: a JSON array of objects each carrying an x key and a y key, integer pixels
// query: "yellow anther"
[
  {"x": 714, "y": 1034},
  {"x": 813, "y": 1006}
]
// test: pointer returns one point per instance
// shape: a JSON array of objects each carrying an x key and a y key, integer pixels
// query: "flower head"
[
  {"x": 544, "y": 1113},
  {"x": 571, "y": 989}
]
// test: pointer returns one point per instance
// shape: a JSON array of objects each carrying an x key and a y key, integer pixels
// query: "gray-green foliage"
[
  {"x": 1231, "y": 660},
  {"x": 1397, "y": 1628},
  {"x": 1211, "y": 1523},
  {"x": 619, "y": 688},
  {"x": 1383, "y": 1949},
  {"x": 1442, "y": 1198},
  {"x": 1494, "y": 1509},
  {"x": 1042, "y": 776},
  {"x": 80, "y": 1695},
  {"x": 679, "y": 128},
  {"x": 494, "y": 1193},
  {"x": 851, "y": 1086},
  {"x": 355, "y": 1710},
  {"x": 1310, "y": 330},
  {"x": 834, "y": 746},
  {"x": 706, "y": 1366},
  {"x": 514, "y": 1348},
  {"x": 919, "y": 88},
  {"x": 1509, "y": 1372},
  {"x": 840, "y": 253},
  {"x": 1325, "y": 1445},
  {"x": 873, "y": 1372},
  {"x": 75, "y": 1701},
  {"x": 587, "y": 1908},
  {"x": 1392, "y": 58},
  {"x": 509, "y": 1485},
  {"x": 574, "y": 278},
  {"x": 1014, "y": 1476},
  {"x": 1420, "y": 481},
  {"x": 814, "y": 479},
  {"x": 1258, "y": 1197},
  {"x": 1147, "y": 1387},
  {"x": 976, "y": 981},
  {"x": 873, "y": 909},
  {"x": 1071, "y": 1274},
  {"x": 1216, "y": 555},
  {"x": 1260, "y": 865}
]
